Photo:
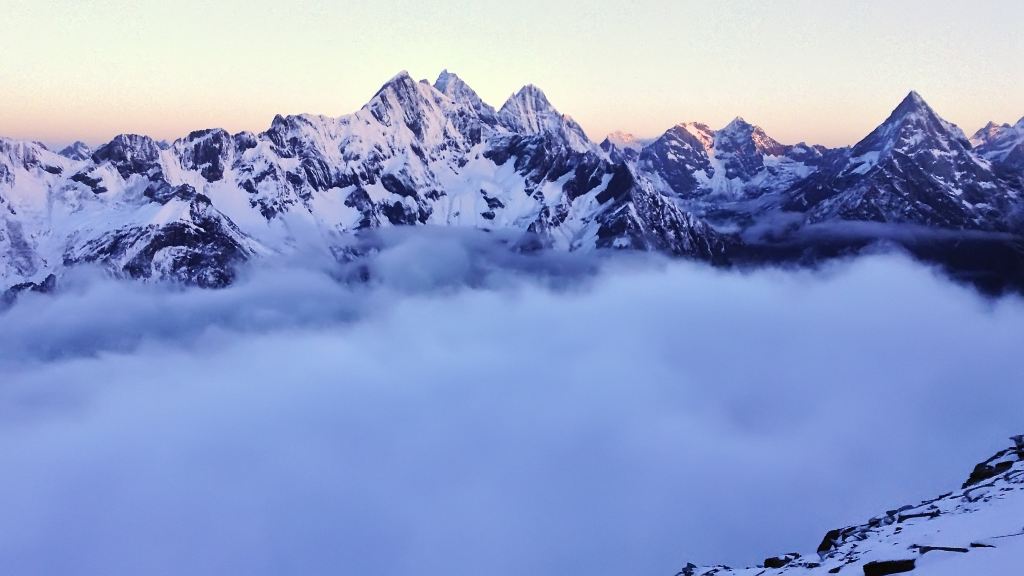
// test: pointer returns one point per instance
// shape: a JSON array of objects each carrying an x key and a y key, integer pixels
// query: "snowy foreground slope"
[
  {"x": 976, "y": 530},
  {"x": 434, "y": 154}
]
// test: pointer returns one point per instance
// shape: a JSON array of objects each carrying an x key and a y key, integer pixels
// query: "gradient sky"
[{"x": 824, "y": 72}]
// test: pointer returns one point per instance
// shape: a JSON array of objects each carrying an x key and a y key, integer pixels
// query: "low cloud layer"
[{"x": 459, "y": 415}]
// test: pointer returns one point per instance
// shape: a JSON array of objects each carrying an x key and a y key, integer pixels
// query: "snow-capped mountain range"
[
  {"x": 421, "y": 153},
  {"x": 976, "y": 529}
]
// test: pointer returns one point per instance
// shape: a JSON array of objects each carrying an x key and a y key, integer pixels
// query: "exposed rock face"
[{"x": 131, "y": 154}]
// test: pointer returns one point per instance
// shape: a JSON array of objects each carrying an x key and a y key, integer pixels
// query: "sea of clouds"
[{"x": 462, "y": 411}]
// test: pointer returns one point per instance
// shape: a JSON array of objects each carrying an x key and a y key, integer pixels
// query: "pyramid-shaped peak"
[
  {"x": 915, "y": 114},
  {"x": 913, "y": 102},
  {"x": 912, "y": 127}
]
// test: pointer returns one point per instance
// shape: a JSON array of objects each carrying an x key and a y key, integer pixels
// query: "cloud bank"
[{"x": 459, "y": 415}]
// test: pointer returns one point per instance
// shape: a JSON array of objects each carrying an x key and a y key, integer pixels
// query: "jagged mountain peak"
[
  {"x": 402, "y": 85},
  {"x": 989, "y": 132},
  {"x": 404, "y": 101},
  {"x": 740, "y": 134},
  {"x": 128, "y": 138},
  {"x": 530, "y": 104},
  {"x": 456, "y": 89},
  {"x": 207, "y": 133},
  {"x": 129, "y": 153},
  {"x": 531, "y": 94},
  {"x": 77, "y": 150},
  {"x": 448, "y": 82},
  {"x": 438, "y": 114},
  {"x": 529, "y": 112},
  {"x": 1003, "y": 145},
  {"x": 702, "y": 132},
  {"x": 739, "y": 161}
]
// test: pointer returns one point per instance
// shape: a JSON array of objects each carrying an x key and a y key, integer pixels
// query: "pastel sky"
[{"x": 820, "y": 71}]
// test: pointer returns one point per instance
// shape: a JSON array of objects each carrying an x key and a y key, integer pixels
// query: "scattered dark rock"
[
  {"x": 689, "y": 570},
  {"x": 930, "y": 515},
  {"x": 886, "y": 567},
  {"x": 92, "y": 183},
  {"x": 492, "y": 203},
  {"x": 926, "y": 549},
  {"x": 780, "y": 561}
]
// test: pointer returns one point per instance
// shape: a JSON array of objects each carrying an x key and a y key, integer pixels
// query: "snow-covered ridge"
[{"x": 977, "y": 528}]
